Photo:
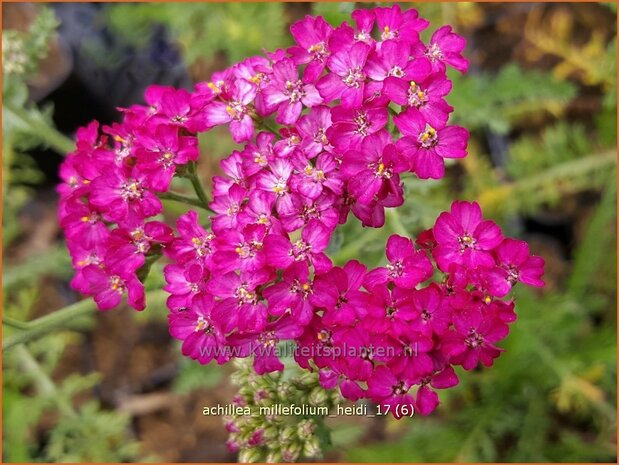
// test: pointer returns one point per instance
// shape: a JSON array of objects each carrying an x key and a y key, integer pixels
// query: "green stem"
[
  {"x": 48, "y": 323},
  {"x": 50, "y": 135},
  {"x": 197, "y": 185},
  {"x": 7, "y": 320},
  {"x": 43, "y": 383},
  {"x": 182, "y": 199},
  {"x": 61, "y": 319}
]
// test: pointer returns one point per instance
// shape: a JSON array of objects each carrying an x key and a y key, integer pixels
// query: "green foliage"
[
  {"x": 24, "y": 126},
  {"x": 206, "y": 29},
  {"x": 92, "y": 435},
  {"x": 594, "y": 270},
  {"x": 79, "y": 434},
  {"x": 559, "y": 143},
  {"x": 548, "y": 188},
  {"x": 53, "y": 262},
  {"x": 502, "y": 101},
  {"x": 22, "y": 51},
  {"x": 335, "y": 13},
  {"x": 194, "y": 376}
]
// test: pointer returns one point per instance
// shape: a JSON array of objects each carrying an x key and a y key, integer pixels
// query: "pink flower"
[
  {"x": 241, "y": 250},
  {"x": 473, "y": 339},
  {"x": 389, "y": 311},
  {"x": 373, "y": 170},
  {"x": 415, "y": 356},
  {"x": 312, "y": 36},
  {"x": 182, "y": 108},
  {"x": 337, "y": 291},
  {"x": 361, "y": 350},
  {"x": 344, "y": 35},
  {"x": 82, "y": 257},
  {"x": 235, "y": 111},
  {"x": 289, "y": 143},
  {"x": 445, "y": 48},
  {"x": 391, "y": 391},
  {"x": 184, "y": 283},
  {"x": 128, "y": 246},
  {"x": 288, "y": 94},
  {"x": 159, "y": 153},
  {"x": 199, "y": 329},
  {"x": 426, "y": 399},
  {"x": 464, "y": 238},
  {"x": 351, "y": 126},
  {"x": 234, "y": 170},
  {"x": 257, "y": 156},
  {"x": 240, "y": 299},
  {"x": 228, "y": 206},
  {"x": 315, "y": 343},
  {"x": 263, "y": 345},
  {"x": 293, "y": 295},
  {"x": 194, "y": 244},
  {"x": 311, "y": 181},
  {"x": 513, "y": 257},
  {"x": 333, "y": 377},
  {"x": 346, "y": 81},
  {"x": 108, "y": 288},
  {"x": 258, "y": 71},
  {"x": 304, "y": 209},
  {"x": 426, "y": 146},
  {"x": 433, "y": 313},
  {"x": 392, "y": 59},
  {"x": 120, "y": 194},
  {"x": 281, "y": 253},
  {"x": 407, "y": 267},
  {"x": 277, "y": 181},
  {"x": 423, "y": 90},
  {"x": 76, "y": 173},
  {"x": 364, "y": 20},
  {"x": 83, "y": 223},
  {"x": 259, "y": 210},
  {"x": 313, "y": 129},
  {"x": 393, "y": 24}
]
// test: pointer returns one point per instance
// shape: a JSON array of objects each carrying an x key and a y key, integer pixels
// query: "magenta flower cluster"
[{"x": 357, "y": 107}]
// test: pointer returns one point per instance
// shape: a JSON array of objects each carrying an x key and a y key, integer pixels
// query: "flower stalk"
[{"x": 58, "y": 320}]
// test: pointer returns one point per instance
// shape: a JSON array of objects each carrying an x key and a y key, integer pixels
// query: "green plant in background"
[
  {"x": 234, "y": 30},
  {"x": 24, "y": 126}
]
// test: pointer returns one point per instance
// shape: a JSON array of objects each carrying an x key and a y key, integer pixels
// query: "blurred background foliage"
[{"x": 540, "y": 102}]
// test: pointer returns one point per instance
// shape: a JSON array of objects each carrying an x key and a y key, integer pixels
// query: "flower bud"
[
  {"x": 273, "y": 457},
  {"x": 288, "y": 434},
  {"x": 291, "y": 452},
  {"x": 233, "y": 445},
  {"x": 312, "y": 448},
  {"x": 318, "y": 396},
  {"x": 250, "y": 455},
  {"x": 284, "y": 389},
  {"x": 305, "y": 429},
  {"x": 271, "y": 433}
]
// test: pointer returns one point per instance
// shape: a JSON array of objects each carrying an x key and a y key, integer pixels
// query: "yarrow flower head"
[{"x": 359, "y": 108}]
